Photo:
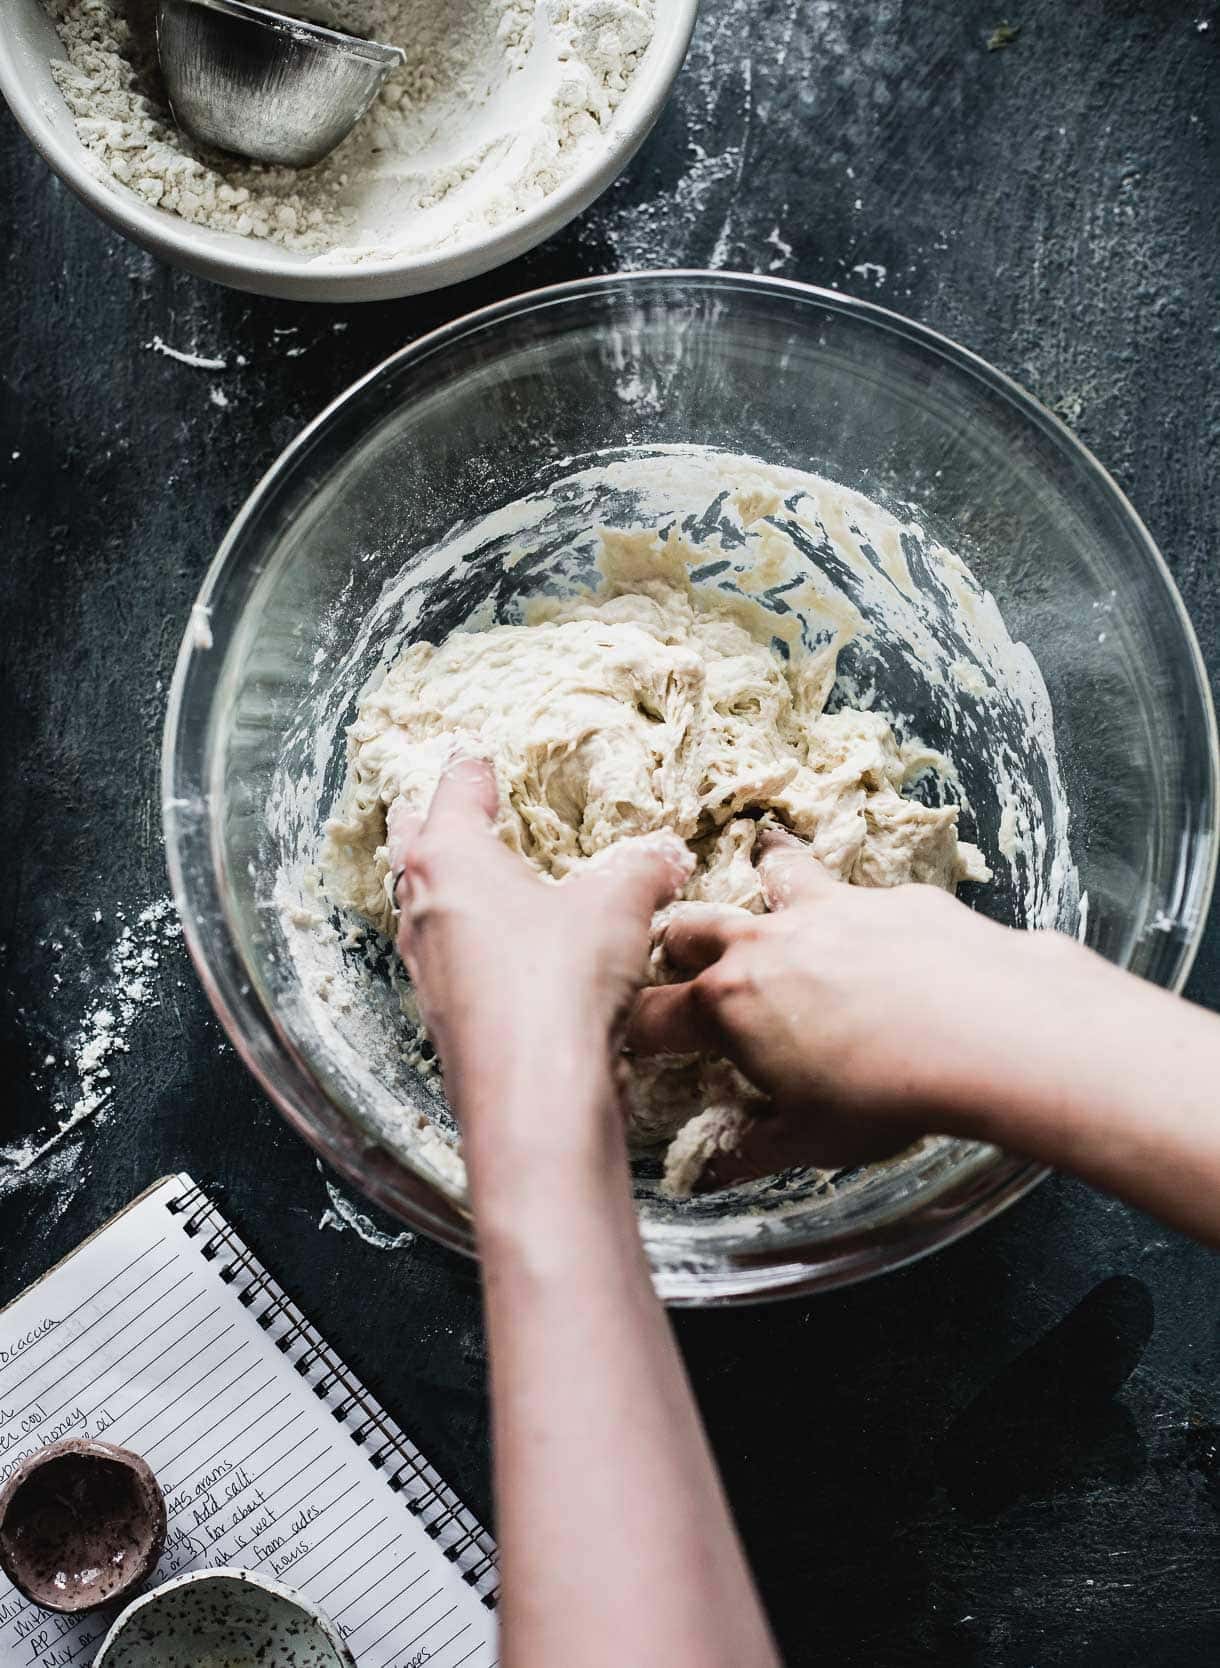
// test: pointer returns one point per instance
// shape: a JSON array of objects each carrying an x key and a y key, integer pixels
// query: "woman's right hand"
[
  {"x": 872, "y": 1017},
  {"x": 859, "y": 1011}
]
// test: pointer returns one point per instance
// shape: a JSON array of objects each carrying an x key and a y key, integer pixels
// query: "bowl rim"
[
  {"x": 996, "y": 1181},
  {"x": 263, "y": 267}
]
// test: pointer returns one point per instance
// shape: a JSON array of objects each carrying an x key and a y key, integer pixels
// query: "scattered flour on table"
[
  {"x": 499, "y": 102},
  {"x": 80, "y": 1068}
]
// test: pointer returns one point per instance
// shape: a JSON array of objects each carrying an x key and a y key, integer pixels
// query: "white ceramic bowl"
[{"x": 29, "y": 42}]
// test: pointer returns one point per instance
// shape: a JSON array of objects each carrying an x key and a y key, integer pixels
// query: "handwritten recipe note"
[{"x": 271, "y": 1456}]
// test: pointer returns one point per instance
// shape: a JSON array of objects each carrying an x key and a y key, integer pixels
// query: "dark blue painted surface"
[{"x": 1005, "y": 1457}]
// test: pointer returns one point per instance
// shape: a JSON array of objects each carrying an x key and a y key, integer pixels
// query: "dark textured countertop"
[{"x": 1008, "y": 1455}]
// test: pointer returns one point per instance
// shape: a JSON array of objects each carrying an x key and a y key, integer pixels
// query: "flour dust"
[{"x": 110, "y": 1003}]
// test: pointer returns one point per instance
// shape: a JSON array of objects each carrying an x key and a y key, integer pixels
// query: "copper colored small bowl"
[{"x": 81, "y": 1524}]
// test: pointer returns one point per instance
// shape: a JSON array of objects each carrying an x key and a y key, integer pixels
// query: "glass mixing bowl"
[{"x": 300, "y": 609}]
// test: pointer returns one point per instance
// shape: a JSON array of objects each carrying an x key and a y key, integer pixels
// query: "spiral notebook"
[{"x": 163, "y": 1333}]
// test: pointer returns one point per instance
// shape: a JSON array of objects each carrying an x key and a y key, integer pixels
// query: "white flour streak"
[
  {"x": 720, "y": 254},
  {"x": 785, "y": 250},
  {"x": 201, "y": 626},
  {"x": 196, "y": 361},
  {"x": 343, "y": 1214}
]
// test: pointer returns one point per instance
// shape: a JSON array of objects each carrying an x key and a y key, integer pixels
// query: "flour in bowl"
[{"x": 499, "y": 102}]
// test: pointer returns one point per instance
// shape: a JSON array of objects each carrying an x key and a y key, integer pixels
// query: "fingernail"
[
  {"x": 676, "y": 848},
  {"x": 462, "y": 756},
  {"x": 781, "y": 839}
]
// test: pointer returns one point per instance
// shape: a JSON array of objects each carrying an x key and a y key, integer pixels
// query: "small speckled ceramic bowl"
[
  {"x": 81, "y": 1524},
  {"x": 225, "y": 1618}
]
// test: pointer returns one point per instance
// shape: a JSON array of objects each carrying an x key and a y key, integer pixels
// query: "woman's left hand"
[{"x": 512, "y": 970}]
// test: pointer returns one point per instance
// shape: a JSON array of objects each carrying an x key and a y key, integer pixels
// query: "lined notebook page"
[{"x": 163, "y": 1334}]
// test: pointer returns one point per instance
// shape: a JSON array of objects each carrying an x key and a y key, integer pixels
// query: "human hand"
[
  {"x": 510, "y": 970},
  {"x": 856, "y": 1010}
]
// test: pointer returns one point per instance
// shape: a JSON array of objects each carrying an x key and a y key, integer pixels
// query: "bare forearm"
[
  {"x": 617, "y": 1544},
  {"x": 1097, "y": 1073}
]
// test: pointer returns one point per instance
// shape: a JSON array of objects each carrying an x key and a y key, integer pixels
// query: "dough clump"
[{"x": 650, "y": 704}]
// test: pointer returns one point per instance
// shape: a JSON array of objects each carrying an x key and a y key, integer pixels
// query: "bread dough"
[{"x": 650, "y": 704}]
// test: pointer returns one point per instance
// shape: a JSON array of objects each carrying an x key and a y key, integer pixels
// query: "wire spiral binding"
[
  {"x": 431, "y": 1500},
  {"x": 185, "y": 1201}
]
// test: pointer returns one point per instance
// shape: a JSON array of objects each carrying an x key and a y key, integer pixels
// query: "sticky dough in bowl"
[{"x": 923, "y": 644}]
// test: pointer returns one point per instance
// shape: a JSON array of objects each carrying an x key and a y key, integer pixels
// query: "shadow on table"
[{"x": 880, "y": 1444}]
